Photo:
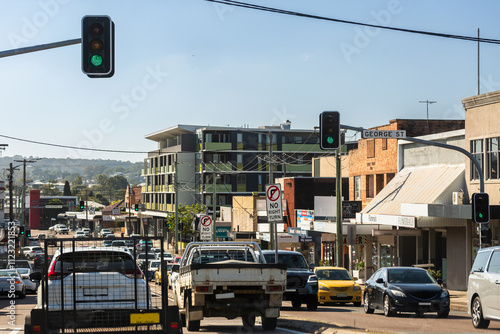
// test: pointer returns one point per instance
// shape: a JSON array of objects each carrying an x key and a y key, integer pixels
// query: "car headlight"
[
  {"x": 445, "y": 294},
  {"x": 312, "y": 278},
  {"x": 397, "y": 293},
  {"x": 356, "y": 288},
  {"x": 323, "y": 288}
]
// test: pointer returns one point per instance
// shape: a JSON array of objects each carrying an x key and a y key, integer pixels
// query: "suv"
[
  {"x": 108, "y": 277},
  {"x": 301, "y": 282},
  {"x": 33, "y": 251},
  {"x": 61, "y": 228},
  {"x": 483, "y": 291}
]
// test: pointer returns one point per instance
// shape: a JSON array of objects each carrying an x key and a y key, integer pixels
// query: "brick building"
[{"x": 374, "y": 163}]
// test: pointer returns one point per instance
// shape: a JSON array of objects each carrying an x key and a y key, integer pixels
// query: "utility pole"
[
  {"x": 427, "y": 102},
  {"x": 23, "y": 202},
  {"x": 11, "y": 192},
  {"x": 214, "y": 203},
  {"x": 338, "y": 194},
  {"x": 176, "y": 226},
  {"x": 271, "y": 181}
]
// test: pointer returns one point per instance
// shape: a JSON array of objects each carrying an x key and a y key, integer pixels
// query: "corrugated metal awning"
[{"x": 424, "y": 185}]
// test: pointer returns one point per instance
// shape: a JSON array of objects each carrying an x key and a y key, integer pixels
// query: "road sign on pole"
[
  {"x": 389, "y": 134},
  {"x": 206, "y": 228},
  {"x": 273, "y": 203}
]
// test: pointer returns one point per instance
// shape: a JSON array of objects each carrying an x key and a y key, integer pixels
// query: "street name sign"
[
  {"x": 206, "y": 228},
  {"x": 273, "y": 203},
  {"x": 389, "y": 134}
]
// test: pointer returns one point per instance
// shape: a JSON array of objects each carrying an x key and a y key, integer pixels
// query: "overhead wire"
[{"x": 317, "y": 17}]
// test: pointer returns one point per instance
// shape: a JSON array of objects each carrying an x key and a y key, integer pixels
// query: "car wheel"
[
  {"x": 248, "y": 320},
  {"x": 366, "y": 304},
  {"x": 312, "y": 305},
  {"x": 296, "y": 303},
  {"x": 269, "y": 324},
  {"x": 443, "y": 314},
  {"x": 387, "y": 306},
  {"x": 478, "y": 320},
  {"x": 22, "y": 295}
]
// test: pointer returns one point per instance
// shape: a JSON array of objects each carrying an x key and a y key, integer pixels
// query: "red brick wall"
[{"x": 385, "y": 160}]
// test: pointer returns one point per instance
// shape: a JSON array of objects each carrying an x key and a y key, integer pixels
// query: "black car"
[
  {"x": 301, "y": 282},
  {"x": 405, "y": 289}
]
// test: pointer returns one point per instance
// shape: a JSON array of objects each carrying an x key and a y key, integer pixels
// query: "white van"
[{"x": 483, "y": 291}]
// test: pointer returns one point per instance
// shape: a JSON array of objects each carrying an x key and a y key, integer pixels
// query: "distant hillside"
[{"x": 47, "y": 169}]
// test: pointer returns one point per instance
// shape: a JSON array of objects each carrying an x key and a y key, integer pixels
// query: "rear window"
[
  {"x": 94, "y": 261},
  {"x": 290, "y": 260},
  {"x": 37, "y": 249},
  {"x": 142, "y": 256},
  {"x": 211, "y": 256},
  {"x": 480, "y": 262}
]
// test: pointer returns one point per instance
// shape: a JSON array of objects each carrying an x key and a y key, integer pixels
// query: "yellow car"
[{"x": 336, "y": 285}]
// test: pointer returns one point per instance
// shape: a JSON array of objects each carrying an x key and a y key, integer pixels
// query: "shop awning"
[{"x": 420, "y": 189}]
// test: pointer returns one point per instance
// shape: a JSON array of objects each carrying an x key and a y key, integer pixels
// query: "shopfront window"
[{"x": 492, "y": 158}]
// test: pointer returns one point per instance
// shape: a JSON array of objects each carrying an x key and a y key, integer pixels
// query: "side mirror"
[
  {"x": 311, "y": 266},
  {"x": 355, "y": 278},
  {"x": 380, "y": 280},
  {"x": 36, "y": 276},
  {"x": 175, "y": 268}
]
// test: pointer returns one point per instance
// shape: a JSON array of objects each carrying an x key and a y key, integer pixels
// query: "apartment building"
[{"x": 210, "y": 164}]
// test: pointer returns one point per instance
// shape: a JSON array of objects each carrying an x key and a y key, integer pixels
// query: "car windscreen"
[
  {"x": 333, "y": 275},
  {"x": 290, "y": 260},
  {"x": 8, "y": 273},
  {"x": 480, "y": 262},
  {"x": 94, "y": 261},
  {"x": 23, "y": 271},
  {"x": 409, "y": 276}
]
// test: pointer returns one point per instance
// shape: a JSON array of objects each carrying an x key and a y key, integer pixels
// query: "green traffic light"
[
  {"x": 329, "y": 140},
  {"x": 480, "y": 215},
  {"x": 96, "y": 60}
]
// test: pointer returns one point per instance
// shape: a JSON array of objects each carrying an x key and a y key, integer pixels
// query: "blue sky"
[{"x": 197, "y": 62}]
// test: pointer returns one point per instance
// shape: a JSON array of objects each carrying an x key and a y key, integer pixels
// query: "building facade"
[{"x": 208, "y": 164}]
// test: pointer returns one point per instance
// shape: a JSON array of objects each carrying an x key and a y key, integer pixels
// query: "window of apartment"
[
  {"x": 239, "y": 158},
  {"x": 239, "y": 137},
  {"x": 370, "y": 148},
  {"x": 384, "y": 144},
  {"x": 476, "y": 149},
  {"x": 492, "y": 158},
  {"x": 357, "y": 187},
  {"x": 370, "y": 186},
  {"x": 242, "y": 179}
]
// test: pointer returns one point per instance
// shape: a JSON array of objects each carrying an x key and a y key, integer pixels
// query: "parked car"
[
  {"x": 105, "y": 231},
  {"x": 483, "y": 291},
  {"x": 79, "y": 234},
  {"x": 405, "y": 289},
  {"x": 9, "y": 277},
  {"x": 32, "y": 251},
  {"x": 336, "y": 285},
  {"x": 25, "y": 275}
]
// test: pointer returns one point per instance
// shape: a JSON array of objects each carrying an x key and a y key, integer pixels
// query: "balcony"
[
  {"x": 298, "y": 168},
  {"x": 301, "y": 148},
  {"x": 217, "y": 146},
  {"x": 219, "y": 188},
  {"x": 218, "y": 167}
]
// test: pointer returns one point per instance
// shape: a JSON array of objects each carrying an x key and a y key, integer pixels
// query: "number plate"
[
  {"x": 425, "y": 303},
  {"x": 95, "y": 292},
  {"x": 144, "y": 318},
  {"x": 224, "y": 295},
  {"x": 342, "y": 295}
]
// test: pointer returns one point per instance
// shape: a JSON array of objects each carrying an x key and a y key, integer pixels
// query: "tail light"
[
  {"x": 202, "y": 289},
  {"x": 275, "y": 288},
  {"x": 137, "y": 274},
  {"x": 174, "y": 325},
  {"x": 53, "y": 275}
]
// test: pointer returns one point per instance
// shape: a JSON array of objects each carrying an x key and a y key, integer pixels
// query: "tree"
[
  {"x": 186, "y": 215},
  {"x": 77, "y": 181},
  {"x": 67, "y": 189}
]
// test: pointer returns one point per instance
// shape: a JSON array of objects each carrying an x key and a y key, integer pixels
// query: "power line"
[
  {"x": 287, "y": 12},
  {"x": 72, "y": 147}
]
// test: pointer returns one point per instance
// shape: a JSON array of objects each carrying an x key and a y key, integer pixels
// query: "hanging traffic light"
[
  {"x": 480, "y": 208},
  {"x": 136, "y": 207},
  {"x": 27, "y": 232},
  {"x": 21, "y": 230},
  {"x": 82, "y": 205},
  {"x": 98, "y": 46},
  {"x": 329, "y": 129}
]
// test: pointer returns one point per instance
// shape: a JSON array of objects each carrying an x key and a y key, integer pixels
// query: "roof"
[{"x": 423, "y": 185}]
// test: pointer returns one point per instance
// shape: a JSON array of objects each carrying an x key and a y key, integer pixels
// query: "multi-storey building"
[{"x": 242, "y": 161}]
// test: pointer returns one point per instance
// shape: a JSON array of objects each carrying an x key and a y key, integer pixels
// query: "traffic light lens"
[
  {"x": 96, "y": 44},
  {"x": 96, "y": 29},
  {"x": 96, "y": 60},
  {"x": 329, "y": 140}
]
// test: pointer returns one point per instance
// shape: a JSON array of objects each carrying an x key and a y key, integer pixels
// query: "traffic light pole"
[{"x": 41, "y": 47}]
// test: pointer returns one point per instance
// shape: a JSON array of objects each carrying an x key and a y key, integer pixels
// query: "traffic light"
[
  {"x": 329, "y": 129},
  {"x": 98, "y": 54},
  {"x": 82, "y": 205},
  {"x": 169, "y": 225},
  {"x": 485, "y": 233},
  {"x": 21, "y": 230},
  {"x": 27, "y": 232},
  {"x": 136, "y": 207},
  {"x": 480, "y": 208}
]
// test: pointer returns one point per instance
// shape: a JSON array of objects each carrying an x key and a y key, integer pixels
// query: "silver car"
[
  {"x": 483, "y": 291},
  {"x": 11, "y": 284},
  {"x": 25, "y": 275}
]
